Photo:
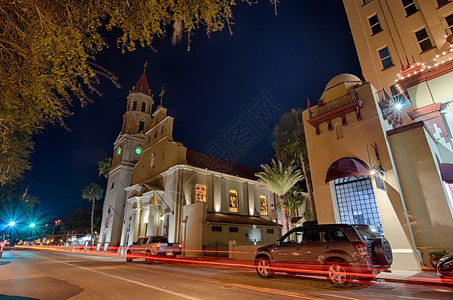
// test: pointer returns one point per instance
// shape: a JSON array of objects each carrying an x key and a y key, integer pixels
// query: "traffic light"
[{"x": 57, "y": 222}]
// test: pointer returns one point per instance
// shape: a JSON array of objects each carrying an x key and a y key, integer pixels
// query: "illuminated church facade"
[{"x": 156, "y": 186}]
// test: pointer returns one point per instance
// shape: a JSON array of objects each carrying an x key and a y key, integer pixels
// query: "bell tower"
[{"x": 128, "y": 149}]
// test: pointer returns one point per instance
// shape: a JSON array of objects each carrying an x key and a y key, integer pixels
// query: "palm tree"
[
  {"x": 290, "y": 144},
  {"x": 294, "y": 200},
  {"x": 92, "y": 192},
  {"x": 279, "y": 180},
  {"x": 104, "y": 167}
]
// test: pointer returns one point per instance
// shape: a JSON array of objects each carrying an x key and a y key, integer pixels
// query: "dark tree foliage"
[
  {"x": 47, "y": 54},
  {"x": 79, "y": 222}
]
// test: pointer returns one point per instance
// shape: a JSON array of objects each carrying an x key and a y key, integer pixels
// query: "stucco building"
[
  {"x": 157, "y": 186},
  {"x": 380, "y": 148},
  {"x": 391, "y": 35}
]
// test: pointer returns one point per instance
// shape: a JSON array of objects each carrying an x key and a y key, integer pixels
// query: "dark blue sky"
[{"x": 224, "y": 78}]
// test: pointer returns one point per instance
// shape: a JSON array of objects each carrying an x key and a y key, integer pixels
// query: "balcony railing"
[
  {"x": 339, "y": 107},
  {"x": 333, "y": 105}
]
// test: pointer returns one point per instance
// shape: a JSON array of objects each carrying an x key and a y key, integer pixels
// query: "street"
[{"x": 53, "y": 275}]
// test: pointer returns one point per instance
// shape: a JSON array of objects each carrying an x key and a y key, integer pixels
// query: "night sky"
[{"x": 281, "y": 59}]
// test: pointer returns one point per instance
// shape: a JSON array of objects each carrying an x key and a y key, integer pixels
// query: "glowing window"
[
  {"x": 264, "y": 207},
  {"x": 234, "y": 204},
  {"x": 356, "y": 202},
  {"x": 200, "y": 193},
  {"x": 118, "y": 151}
]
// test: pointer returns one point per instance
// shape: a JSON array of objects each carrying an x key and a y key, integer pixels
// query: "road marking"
[
  {"x": 238, "y": 285},
  {"x": 127, "y": 280}
]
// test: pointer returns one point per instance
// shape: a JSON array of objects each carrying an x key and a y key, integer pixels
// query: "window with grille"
[
  {"x": 385, "y": 57},
  {"x": 356, "y": 202},
  {"x": 374, "y": 24},
  {"x": 409, "y": 7},
  {"x": 423, "y": 39}
]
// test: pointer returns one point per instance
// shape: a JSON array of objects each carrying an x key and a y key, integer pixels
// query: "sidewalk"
[{"x": 425, "y": 277}]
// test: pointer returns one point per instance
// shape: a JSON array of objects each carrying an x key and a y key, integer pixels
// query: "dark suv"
[{"x": 341, "y": 252}]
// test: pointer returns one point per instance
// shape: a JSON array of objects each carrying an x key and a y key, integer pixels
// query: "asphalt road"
[{"x": 53, "y": 275}]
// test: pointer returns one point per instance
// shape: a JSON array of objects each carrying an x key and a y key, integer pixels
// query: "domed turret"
[{"x": 339, "y": 86}]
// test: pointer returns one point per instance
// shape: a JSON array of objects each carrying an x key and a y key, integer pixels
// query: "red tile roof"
[{"x": 142, "y": 85}]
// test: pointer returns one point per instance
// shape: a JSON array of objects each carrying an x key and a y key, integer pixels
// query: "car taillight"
[
  {"x": 158, "y": 246},
  {"x": 360, "y": 247},
  {"x": 180, "y": 246}
]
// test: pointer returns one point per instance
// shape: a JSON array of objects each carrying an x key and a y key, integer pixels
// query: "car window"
[
  {"x": 293, "y": 238},
  {"x": 365, "y": 232},
  {"x": 338, "y": 235},
  {"x": 139, "y": 241},
  {"x": 317, "y": 236}
]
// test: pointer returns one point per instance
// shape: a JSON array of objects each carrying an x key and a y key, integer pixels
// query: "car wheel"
[
  {"x": 338, "y": 273},
  {"x": 129, "y": 256},
  {"x": 263, "y": 267},
  {"x": 148, "y": 259}
]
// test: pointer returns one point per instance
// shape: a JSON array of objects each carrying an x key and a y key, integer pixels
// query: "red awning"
[
  {"x": 446, "y": 172},
  {"x": 347, "y": 167}
]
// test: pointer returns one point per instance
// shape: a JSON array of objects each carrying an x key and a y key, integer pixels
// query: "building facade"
[
  {"x": 159, "y": 187},
  {"x": 388, "y": 170},
  {"x": 394, "y": 35}
]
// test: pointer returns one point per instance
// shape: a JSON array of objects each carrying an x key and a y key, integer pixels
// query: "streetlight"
[
  {"x": 32, "y": 225},
  {"x": 375, "y": 168},
  {"x": 12, "y": 224}
]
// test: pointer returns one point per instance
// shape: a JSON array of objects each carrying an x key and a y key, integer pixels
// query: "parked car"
[
  {"x": 341, "y": 252},
  {"x": 445, "y": 269},
  {"x": 149, "y": 246}
]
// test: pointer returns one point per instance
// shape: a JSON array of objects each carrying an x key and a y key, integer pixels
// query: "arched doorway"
[
  {"x": 354, "y": 193},
  {"x": 356, "y": 202}
]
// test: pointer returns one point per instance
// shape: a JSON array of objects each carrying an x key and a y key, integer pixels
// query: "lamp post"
[
  {"x": 11, "y": 226},
  {"x": 375, "y": 168}
]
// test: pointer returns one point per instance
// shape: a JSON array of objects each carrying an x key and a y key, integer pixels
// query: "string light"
[{"x": 418, "y": 67}]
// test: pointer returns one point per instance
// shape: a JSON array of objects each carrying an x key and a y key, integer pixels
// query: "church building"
[{"x": 156, "y": 186}]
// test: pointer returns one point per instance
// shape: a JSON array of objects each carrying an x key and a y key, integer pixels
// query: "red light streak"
[{"x": 221, "y": 262}]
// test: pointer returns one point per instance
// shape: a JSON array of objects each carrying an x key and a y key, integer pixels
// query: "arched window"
[
  {"x": 141, "y": 126},
  {"x": 134, "y": 106},
  {"x": 357, "y": 203},
  {"x": 143, "y": 106}
]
